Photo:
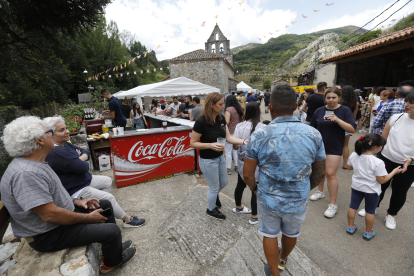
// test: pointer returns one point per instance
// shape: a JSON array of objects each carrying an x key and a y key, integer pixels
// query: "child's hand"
[{"x": 397, "y": 170}]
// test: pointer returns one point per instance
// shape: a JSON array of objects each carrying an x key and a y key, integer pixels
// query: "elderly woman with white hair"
[{"x": 69, "y": 163}]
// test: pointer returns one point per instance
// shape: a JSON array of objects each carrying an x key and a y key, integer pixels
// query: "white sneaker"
[
  {"x": 331, "y": 211},
  {"x": 362, "y": 131},
  {"x": 390, "y": 222},
  {"x": 362, "y": 212},
  {"x": 317, "y": 195},
  {"x": 244, "y": 211}
]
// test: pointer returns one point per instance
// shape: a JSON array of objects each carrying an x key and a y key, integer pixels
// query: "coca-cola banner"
[{"x": 144, "y": 157}]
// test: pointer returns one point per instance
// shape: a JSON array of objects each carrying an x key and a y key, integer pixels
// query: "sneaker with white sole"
[
  {"x": 390, "y": 222},
  {"x": 331, "y": 211},
  {"x": 362, "y": 212},
  {"x": 317, "y": 195},
  {"x": 243, "y": 210},
  {"x": 362, "y": 131},
  {"x": 253, "y": 221},
  {"x": 135, "y": 222}
]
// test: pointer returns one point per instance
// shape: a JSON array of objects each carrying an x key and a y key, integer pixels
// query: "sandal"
[
  {"x": 368, "y": 235},
  {"x": 235, "y": 168}
]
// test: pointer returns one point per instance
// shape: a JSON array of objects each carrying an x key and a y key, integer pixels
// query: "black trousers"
[
  {"x": 64, "y": 236},
  {"x": 238, "y": 194},
  {"x": 401, "y": 183}
]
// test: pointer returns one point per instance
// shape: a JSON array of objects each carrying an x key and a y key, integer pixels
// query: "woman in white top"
[
  {"x": 301, "y": 102},
  {"x": 375, "y": 102},
  {"x": 243, "y": 131},
  {"x": 399, "y": 151},
  {"x": 137, "y": 118}
]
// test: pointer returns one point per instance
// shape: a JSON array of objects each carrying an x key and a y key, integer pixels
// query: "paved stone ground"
[{"x": 179, "y": 239}]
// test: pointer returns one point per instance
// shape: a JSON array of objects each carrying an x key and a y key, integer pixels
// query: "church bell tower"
[{"x": 219, "y": 44}]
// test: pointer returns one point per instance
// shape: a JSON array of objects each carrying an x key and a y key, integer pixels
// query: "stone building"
[
  {"x": 205, "y": 67},
  {"x": 212, "y": 66},
  {"x": 219, "y": 44}
]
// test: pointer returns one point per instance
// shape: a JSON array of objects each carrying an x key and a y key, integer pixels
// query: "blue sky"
[{"x": 172, "y": 28}]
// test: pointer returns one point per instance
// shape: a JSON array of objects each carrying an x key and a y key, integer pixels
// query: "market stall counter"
[{"x": 148, "y": 154}]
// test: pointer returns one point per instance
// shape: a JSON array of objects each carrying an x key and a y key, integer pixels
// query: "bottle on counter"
[{"x": 105, "y": 128}]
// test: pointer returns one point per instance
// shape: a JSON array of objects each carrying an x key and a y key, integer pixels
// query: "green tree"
[
  {"x": 368, "y": 36},
  {"x": 267, "y": 83}
]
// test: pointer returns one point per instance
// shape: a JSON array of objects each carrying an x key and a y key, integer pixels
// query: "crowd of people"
[{"x": 55, "y": 203}]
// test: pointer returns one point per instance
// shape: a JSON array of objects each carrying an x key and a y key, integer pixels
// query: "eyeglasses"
[{"x": 49, "y": 132}]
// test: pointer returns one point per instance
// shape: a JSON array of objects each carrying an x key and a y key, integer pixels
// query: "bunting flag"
[
  {"x": 145, "y": 54},
  {"x": 147, "y": 71},
  {"x": 109, "y": 76},
  {"x": 135, "y": 72},
  {"x": 122, "y": 75},
  {"x": 203, "y": 24},
  {"x": 304, "y": 15},
  {"x": 270, "y": 33},
  {"x": 287, "y": 26},
  {"x": 229, "y": 8},
  {"x": 215, "y": 17},
  {"x": 277, "y": 30},
  {"x": 121, "y": 66},
  {"x": 142, "y": 72},
  {"x": 315, "y": 10},
  {"x": 125, "y": 64},
  {"x": 155, "y": 70},
  {"x": 138, "y": 56},
  {"x": 293, "y": 22},
  {"x": 241, "y": 3},
  {"x": 264, "y": 36},
  {"x": 160, "y": 69},
  {"x": 116, "y": 68},
  {"x": 116, "y": 75},
  {"x": 158, "y": 46}
]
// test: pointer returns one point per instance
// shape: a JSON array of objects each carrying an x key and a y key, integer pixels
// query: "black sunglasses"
[{"x": 49, "y": 131}]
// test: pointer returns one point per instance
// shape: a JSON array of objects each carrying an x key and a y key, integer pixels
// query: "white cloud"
[
  {"x": 155, "y": 23},
  {"x": 361, "y": 18}
]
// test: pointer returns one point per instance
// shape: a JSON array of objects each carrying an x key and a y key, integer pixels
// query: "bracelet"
[
  {"x": 254, "y": 189},
  {"x": 412, "y": 161},
  {"x": 73, "y": 200},
  {"x": 243, "y": 142}
]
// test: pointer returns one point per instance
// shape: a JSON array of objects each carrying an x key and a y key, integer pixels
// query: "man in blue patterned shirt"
[
  {"x": 396, "y": 107},
  {"x": 291, "y": 160}
]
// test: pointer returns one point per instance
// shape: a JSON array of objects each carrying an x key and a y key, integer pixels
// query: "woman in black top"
[
  {"x": 332, "y": 128},
  {"x": 210, "y": 126}
]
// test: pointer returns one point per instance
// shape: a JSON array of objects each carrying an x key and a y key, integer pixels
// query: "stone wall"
[{"x": 207, "y": 72}]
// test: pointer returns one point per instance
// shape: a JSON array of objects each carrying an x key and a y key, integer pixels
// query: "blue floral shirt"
[{"x": 285, "y": 151}]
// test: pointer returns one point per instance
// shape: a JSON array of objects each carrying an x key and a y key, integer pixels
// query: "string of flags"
[
  {"x": 121, "y": 66},
  {"x": 203, "y": 24}
]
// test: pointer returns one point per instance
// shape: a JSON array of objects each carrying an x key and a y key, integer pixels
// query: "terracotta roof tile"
[
  {"x": 374, "y": 43},
  {"x": 200, "y": 55}
]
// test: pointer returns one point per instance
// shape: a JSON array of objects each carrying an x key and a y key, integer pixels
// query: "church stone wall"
[{"x": 207, "y": 72}]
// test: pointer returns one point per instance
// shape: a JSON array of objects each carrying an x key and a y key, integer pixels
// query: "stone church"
[{"x": 212, "y": 66}]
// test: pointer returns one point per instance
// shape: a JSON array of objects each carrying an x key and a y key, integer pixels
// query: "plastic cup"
[
  {"x": 164, "y": 124},
  {"x": 221, "y": 141}
]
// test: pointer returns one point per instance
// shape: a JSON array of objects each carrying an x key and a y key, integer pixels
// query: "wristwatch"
[
  {"x": 73, "y": 200},
  {"x": 254, "y": 189}
]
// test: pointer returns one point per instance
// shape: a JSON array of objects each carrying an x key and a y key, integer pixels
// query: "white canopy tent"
[
  {"x": 173, "y": 87},
  {"x": 243, "y": 87}
]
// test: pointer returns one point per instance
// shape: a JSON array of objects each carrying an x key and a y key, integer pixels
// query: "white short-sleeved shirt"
[
  {"x": 366, "y": 168},
  {"x": 242, "y": 131},
  {"x": 174, "y": 108},
  {"x": 400, "y": 140}
]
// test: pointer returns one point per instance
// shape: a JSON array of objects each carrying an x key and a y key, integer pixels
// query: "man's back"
[
  {"x": 285, "y": 151},
  {"x": 314, "y": 101},
  {"x": 196, "y": 111}
]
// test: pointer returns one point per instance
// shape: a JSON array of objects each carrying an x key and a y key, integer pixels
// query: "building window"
[
  {"x": 213, "y": 48},
  {"x": 221, "y": 48},
  {"x": 217, "y": 37}
]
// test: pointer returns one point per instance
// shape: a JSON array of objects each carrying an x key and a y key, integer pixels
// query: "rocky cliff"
[{"x": 327, "y": 47}]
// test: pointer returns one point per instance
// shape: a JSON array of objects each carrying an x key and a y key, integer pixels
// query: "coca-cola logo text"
[{"x": 166, "y": 149}]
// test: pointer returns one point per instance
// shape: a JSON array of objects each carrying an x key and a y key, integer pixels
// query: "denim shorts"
[{"x": 270, "y": 224}]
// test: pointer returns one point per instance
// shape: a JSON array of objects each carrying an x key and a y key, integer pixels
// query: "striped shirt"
[
  {"x": 27, "y": 184},
  {"x": 396, "y": 107}
]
